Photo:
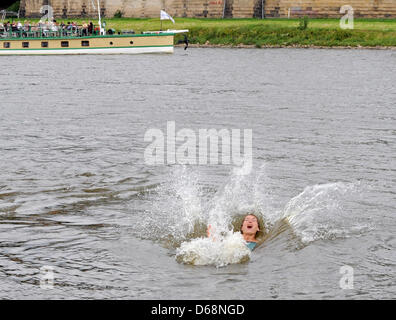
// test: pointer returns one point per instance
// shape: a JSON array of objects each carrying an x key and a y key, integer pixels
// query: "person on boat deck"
[
  {"x": 250, "y": 228},
  {"x": 90, "y": 28},
  {"x": 74, "y": 26},
  {"x": 62, "y": 28},
  {"x": 84, "y": 28},
  {"x": 26, "y": 26},
  {"x": 54, "y": 26}
]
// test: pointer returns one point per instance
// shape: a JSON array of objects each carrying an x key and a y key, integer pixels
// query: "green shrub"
[
  {"x": 14, "y": 7},
  {"x": 342, "y": 34},
  {"x": 118, "y": 14},
  {"x": 303, "y": 24}
]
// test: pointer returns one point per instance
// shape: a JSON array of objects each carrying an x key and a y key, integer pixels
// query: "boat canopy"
[{"x": 47, "y": 30}]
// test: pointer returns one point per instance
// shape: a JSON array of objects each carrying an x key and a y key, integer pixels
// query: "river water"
[{"x": 77, "y": 196}]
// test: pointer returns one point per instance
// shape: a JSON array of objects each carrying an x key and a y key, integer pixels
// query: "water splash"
[
  {"x": 181, "y": 209},
  {"x": 230, "y": 248},
  {"x": 176, "y": 208},
  {"x": 320, "y": 213}
]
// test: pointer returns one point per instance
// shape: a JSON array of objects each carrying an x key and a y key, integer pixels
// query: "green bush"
[
  {"x": 303, "y": 25},
  {"x": 118, "y": 14},
  {"x": 14, "y": 7},
  {"x": 342, "y": 34}
]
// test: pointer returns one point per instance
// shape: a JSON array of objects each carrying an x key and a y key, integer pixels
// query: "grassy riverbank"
[{"x": 272, "y": 32}]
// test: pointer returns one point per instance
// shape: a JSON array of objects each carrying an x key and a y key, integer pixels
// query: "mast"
[{"x": 102, "y": 31}]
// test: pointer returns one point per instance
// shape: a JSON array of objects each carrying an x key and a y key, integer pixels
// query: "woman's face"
[{"x": 250, "y": 225}]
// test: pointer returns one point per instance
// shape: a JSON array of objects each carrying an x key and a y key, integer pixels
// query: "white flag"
[{"x": 165, "y": 16}]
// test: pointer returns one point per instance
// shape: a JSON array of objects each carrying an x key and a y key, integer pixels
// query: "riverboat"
[
  {"x": 52, "y": 39},
  {"x": 55, "y": 43}
]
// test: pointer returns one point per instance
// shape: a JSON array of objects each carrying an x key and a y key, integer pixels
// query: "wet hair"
[{"x": 258, "y": 223}]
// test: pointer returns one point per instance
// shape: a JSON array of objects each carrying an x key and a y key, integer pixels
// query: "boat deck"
[
  {"x": 58, "y": 35},
  {"x": 94, "y": 44}
]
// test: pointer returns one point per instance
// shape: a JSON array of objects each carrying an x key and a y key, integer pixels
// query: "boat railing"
[{"x": 39, "y": 32}]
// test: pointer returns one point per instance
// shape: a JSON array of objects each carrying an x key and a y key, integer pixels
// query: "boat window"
[
  {"x": 6, "y": 45},
  {"x": 111, "y": 43},
  {"x": 44, "y": 44},
  {"x": 25, "y": 44},
  {"x": 85, "y": 43},
  {"x": 131, "y": 42},
  {"x": 65, "y": 44}
]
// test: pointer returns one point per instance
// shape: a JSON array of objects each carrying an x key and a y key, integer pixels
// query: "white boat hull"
[{"x": 131, "y": 50}]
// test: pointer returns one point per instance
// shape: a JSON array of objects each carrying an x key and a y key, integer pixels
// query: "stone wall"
[
  {"x": 62, "y": 8},
  {"x": 330, "y": 8},
  {"x": 129, "y": 8},
  {"x": 194, "y": 8},
  {"x": 212, "y": 8}
]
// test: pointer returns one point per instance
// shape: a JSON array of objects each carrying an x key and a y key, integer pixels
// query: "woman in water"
[{"x": 250, "y": 228}]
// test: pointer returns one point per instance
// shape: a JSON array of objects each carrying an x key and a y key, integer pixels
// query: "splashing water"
[
  {"x": 176, "y": 210},
  {"x": 228, "y": 249},
  {"x": 226, "y": 245},
  {"x": 318, "y": 213},
  {"x": 181, "y": 211}
]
